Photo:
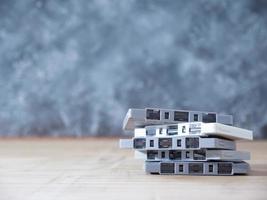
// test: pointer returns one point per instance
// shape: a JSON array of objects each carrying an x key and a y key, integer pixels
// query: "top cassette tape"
[{"x": 155, "y": 116}]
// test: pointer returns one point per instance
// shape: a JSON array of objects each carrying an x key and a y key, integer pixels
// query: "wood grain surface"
[{"x": 95, "y": 168}]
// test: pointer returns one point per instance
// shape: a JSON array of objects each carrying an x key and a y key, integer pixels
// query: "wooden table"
[{"x": 94, "y": 168}]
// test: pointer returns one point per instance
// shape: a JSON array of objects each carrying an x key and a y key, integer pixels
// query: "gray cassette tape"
[
  {"x": 153, "y": 116},
  {"x": 195, "y": 128},
  {"x": 192, "y": 155},
  {"x": 176, "y": 143},
  {"x": 196, "y": 168}
]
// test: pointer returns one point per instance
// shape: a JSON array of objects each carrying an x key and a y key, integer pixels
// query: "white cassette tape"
[
  {"x": 195, "y": 128},
  {"x": 176, "y": 142},
  {"x": 153, "y": 116},
  {"x": 196, "y": 168},
  {"x": 192, "y": 155}
]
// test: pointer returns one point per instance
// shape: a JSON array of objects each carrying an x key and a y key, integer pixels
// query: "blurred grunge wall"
[{"x": 75, "y": 67}]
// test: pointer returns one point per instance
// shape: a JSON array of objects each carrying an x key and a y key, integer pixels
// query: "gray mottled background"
[{"x": 75, "y": 67}]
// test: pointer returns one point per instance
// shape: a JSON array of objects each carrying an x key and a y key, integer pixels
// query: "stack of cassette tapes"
[{"x": 186, "y": 142}]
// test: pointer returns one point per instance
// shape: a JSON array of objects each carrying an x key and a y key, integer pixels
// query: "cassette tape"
[
  {"x": 176, "y": 143},
  {"x": 192, "y": 155},
  {"x": 197, "y": 168},
  {"x": 153, "y": 116},
  {"x": 195, "y": 128}
]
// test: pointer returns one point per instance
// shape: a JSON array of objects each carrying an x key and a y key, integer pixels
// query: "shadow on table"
[{"x": 258, "y": 170}]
